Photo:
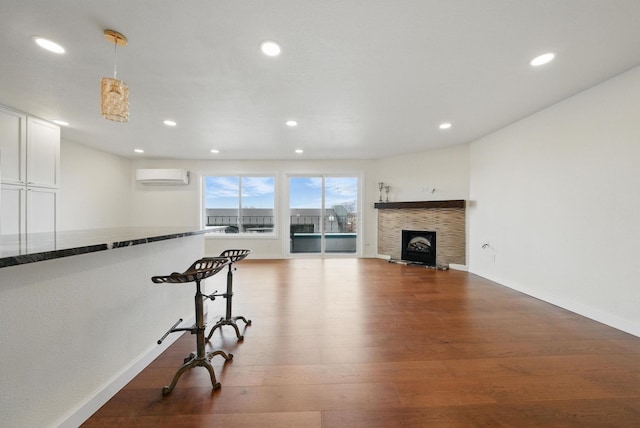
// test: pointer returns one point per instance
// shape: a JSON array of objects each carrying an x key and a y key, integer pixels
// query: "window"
[
  {"x": 239, "y": 204},
  {"x": 323, "y": 214}
]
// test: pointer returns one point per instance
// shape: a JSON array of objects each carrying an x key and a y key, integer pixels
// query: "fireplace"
[
  {"x": 419, "y": 246},
  {"x": 446, "y": 218}
]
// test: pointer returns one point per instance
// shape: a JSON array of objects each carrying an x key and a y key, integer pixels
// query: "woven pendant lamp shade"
[
  {"x": 114, "y": 97},
  {"x": 114, "y": 93}
]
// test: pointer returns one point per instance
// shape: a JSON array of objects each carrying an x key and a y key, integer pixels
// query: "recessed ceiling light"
[
  {"x": 60, "y": 122},
  {"x": 169, "y": 123},
  {"x": 270, "y": 48},
  {"x": 215, "y": 151},
  {"x": 48, "y": 45},
  {"x": 138, "y": 150},
  {"x": 299, "y": 151},
  {"x": 445, "y": 125},
  {"x": 292, "y": 123},
  {"x": 542, "y": 59}
]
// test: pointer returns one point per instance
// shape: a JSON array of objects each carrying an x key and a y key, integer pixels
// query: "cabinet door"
[
  {"x": 43, "y": 153},
  {"x": 12, "y": 146},
  {"x": 12, "y": 210},
  {"x": 41, "y": 210}
]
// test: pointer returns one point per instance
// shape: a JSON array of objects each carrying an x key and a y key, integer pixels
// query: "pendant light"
[{"x": 114, "y": 93}]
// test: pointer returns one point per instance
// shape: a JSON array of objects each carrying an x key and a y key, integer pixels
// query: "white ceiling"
[{"x": 364, "y": 78}]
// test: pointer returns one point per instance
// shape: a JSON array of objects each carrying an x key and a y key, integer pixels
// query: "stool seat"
[
  {"x": 199, "y": 270},
  {"x": 233, "y": 256}
]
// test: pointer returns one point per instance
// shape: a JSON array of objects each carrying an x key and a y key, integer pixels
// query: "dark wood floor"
[{"x": 366, "y": 343}]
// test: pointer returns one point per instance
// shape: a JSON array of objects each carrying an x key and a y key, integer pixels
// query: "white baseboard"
[
  {"x": 111, "y": 388},
  {"x": 456, "y": 266}
]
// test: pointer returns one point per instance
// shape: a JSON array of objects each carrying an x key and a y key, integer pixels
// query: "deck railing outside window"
[{"x": 261, "y": 224}]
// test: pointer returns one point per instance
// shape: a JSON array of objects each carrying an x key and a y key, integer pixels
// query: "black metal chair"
[
  {"x": 233, "y": 256},
  {"x": 198, "y": 271}
]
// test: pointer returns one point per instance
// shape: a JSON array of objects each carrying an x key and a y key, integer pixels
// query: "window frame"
[
  {"x": 240, "y": 235},
  {"x": 359, "y": 230}
]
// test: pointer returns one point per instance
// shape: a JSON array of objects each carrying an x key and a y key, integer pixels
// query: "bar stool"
[
  {"x": 233, "y": 256},
  {"x": 198, "y": 271}
]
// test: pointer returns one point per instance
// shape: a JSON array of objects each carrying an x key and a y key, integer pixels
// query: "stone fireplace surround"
[{"x": 446, "y": 218}]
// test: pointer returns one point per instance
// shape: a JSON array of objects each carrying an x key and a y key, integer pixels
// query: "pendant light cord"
[{"x": 115, "y": 59}]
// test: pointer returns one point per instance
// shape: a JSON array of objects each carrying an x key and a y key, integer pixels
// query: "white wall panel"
[
  {"x": 95, "y": 189},
  {"x": 431, "y": 175},
  {"x": 556, "y": 197}
]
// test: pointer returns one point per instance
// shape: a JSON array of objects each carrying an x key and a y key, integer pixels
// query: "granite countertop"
[{"x": 22, "y": 249}]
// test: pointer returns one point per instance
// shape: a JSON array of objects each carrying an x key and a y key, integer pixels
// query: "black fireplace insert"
[{"x": 419, "y": 246}]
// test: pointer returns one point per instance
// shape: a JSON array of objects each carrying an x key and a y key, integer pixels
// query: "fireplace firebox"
[{"x": 419, "y": 246}]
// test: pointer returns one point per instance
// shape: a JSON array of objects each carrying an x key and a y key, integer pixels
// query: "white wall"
[
  {"x": 98, "y": 190},
  {"x": 181, "y": 205},
  {"x": 557, "y": 198},
  {"x": 413, "y": 177},
  {"x": 447, "y": 170},
  {"x": 94, "y": 189}
]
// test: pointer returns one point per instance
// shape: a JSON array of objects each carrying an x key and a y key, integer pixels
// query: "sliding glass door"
[{"x": 323, "y": 215}]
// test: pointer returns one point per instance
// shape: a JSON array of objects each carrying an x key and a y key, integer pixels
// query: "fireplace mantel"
[{"x": 455, "y": 203}]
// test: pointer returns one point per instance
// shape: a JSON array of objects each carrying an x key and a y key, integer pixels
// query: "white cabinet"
[
  {"x": 12, "y": 209},
  {"x": 41, "y": 210},
  {"x": 30, "y": 171},
  {"x": 13, "y": 146},
  {"x": 25, "y": 209},
  {"x": 43, "y": 153}
]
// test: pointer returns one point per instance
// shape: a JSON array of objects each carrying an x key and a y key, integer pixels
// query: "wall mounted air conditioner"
[{"x": 162, "y": 177}]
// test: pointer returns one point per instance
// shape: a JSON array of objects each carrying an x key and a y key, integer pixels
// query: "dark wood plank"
[{"x": 366, "y": 343}]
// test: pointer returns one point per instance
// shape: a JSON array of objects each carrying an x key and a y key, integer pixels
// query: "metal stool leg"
[
  {"x": 201, "y": 358},
  {"x": 229, "y": 319},
  {"x": 199, "y": 270}
]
